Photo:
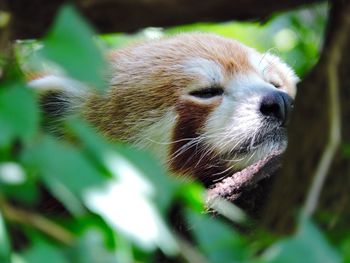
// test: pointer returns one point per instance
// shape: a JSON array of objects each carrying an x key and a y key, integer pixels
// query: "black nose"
[{"x": 278, "y": 105}]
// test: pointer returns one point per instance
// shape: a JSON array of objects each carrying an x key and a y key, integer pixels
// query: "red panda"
[{"x": 206, "y": 106}]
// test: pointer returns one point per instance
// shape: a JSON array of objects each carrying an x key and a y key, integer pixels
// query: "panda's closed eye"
[
  {"x": 207, "y": 93},
  {"x": 276, "y": 84}
]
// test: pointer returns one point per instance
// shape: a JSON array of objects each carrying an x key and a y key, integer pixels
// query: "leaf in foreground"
[
  {"x": 217, "y": 240},
  {"x": 18, "y": 113},
  {"x": 308, "y": 245},
  {"x": 43, "y": 252},
  {"x": 5, "y": 249},
  {"x": 70, "y": 44},
  {"x": 126, "y": 204},
  {"x": 65, "y": 171}
]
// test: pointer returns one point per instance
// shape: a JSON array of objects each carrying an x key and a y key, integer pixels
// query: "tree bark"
[
  {"x": 320, "y": 126},
  {"x": 31, "y": 19}
]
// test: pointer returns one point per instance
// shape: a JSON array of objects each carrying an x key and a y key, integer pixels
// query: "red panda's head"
[{"x": 206, "y": 106}]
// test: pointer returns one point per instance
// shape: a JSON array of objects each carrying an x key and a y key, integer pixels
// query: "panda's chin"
[{"x": 248, "y": 154}]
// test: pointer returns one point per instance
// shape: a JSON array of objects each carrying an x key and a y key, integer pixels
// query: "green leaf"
[
  {"x": 309, "y": 244},
  {"x": 101, "y": 153},
  {"x": 5, "y": 248},
  {"x": 165, "y": 186},
  {"x": 126, "y": 203},
  {"x": 193, "y": 195},
  {"x": 91, "y": 249},
  {"x": 42, "y": 252},
  {"x": 26, "y": 193},
  {"x": 65, "y": 171},
  {"x": 18, "y": 113},
  {"x": 217, "y": 240},
  {"x": 70, "y": 44},
  {"x": 345, "y": 248},
  {"x": 346, "y": 149},
  {"x": 131, "y": 172}
]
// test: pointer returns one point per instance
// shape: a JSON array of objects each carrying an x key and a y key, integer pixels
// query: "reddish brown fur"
[
  {"x": 193, "y": 161},
  {"x": 132, "y": 98}
]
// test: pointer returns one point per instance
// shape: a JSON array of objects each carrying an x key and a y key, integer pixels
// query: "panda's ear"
[{"x": 58, "y": 95}]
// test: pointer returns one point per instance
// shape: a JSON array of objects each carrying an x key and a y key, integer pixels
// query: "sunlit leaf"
[
  {"x": 70, "y": 44},
  {"x": 107, "y": 155},
  {"x": 165, "y": 185},
  {"x": 12, "y": 173},
  {"x": 66, "y": 172},
  {"x": 193, "y": 194},
  {"x": 126, "y": 205},
  {"x": 309, "y": 244},
  {"x": 127, "y": 201}
]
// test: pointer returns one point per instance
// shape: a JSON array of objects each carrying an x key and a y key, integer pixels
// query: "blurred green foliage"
[{"x": 118, "y": 198}]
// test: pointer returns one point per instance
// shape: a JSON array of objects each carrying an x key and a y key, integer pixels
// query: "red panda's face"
[
  {"x": 231, "y": 118},
  {"x": 205, "y": 105},
  {"x": 210, "y": 106}
]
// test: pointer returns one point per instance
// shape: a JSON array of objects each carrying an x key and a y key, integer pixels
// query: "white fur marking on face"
[
  {"x": 264, "y": 65},
  {"x": 237, "y": 120},
  {"x": 257, "y": 61},
  {"x": 56, "y": 83},
  {"x": 209, "y": 71}
]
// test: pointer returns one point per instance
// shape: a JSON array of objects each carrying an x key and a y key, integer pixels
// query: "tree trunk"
[
  {"x": 320, "y": 126},
  {"x": 32, "y": 18}
]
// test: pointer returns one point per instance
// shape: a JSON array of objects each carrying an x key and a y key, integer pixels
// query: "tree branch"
[
  {"x": 334, "y": 57},
  {"x": 36, "y": 221},
  {"x": 31, "y": 20}
]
